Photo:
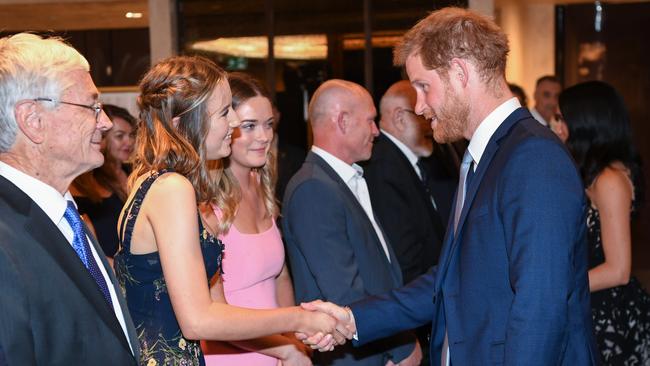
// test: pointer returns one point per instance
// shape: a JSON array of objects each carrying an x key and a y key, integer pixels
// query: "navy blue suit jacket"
[
  {"x": 511, "y": 286},
  {"x": 335, "y": 255}
]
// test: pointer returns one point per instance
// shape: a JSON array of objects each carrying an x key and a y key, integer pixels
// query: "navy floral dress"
[
  {"x": 621, "y": 314},
  {"x": 143, "y": 284}
]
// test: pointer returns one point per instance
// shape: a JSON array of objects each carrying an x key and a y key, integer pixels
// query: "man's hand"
[{"x": 345, "y": 326}]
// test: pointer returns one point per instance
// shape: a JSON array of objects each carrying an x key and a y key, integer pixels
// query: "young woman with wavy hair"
[
  {"x": 256, "y": 275},
  {"x": 170, "y": 253}
]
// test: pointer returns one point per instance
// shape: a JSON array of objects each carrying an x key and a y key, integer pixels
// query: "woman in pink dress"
[{"x": 255, "y": 273}]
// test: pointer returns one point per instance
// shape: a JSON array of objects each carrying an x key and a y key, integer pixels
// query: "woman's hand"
[{"x": 296, "y": 354}]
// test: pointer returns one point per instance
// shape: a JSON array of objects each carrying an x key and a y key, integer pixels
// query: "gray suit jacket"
[
  {"x": 335, "y": 255},
  {"x": 52, "y": 312}
]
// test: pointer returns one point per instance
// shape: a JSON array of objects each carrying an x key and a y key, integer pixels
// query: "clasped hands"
[{"x": 345, "y": 326}]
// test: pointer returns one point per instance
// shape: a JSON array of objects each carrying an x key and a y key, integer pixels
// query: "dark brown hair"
[{"x": 177, "y": 87}]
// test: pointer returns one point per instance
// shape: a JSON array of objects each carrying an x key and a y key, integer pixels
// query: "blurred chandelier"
[{"x": 300, "y": 47}]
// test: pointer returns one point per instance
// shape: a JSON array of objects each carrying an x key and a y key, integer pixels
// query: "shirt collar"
[
  {"x": 538, "y": 116},
  {"x": 488, "y": 126},
  {"x": 44, "y": 195},
  {"x": 343, "y": 169},
  {"x": 412, "y": 158}
]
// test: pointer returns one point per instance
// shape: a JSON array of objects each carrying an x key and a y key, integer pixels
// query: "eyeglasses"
[{"x": 96, "y": 107}]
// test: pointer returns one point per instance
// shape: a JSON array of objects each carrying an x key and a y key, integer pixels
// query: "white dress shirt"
[
  {"x": 538, "y": 116},
  {"x": 488, "y": 126},
  {"x": 352, "y": 175},
  {"x": 54, "y": 206}
]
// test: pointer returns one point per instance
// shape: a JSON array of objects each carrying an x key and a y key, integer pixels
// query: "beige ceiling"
[{"x": 17, "y": 15}]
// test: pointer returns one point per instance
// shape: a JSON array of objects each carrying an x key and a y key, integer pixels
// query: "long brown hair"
[
  {"x": 228, "y": 196},
  {"x": 176, "y": 87}
]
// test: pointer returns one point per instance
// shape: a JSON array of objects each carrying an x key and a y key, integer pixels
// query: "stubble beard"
[{"x": 452, "y": 119}]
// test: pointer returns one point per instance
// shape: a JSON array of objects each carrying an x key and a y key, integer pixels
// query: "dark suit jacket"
[
  {"x": 402, "y": 205},
  {"x": 511, "y": 287},
  {"x": 335, "y": 254},
  {"x": 51, "y": 310}
]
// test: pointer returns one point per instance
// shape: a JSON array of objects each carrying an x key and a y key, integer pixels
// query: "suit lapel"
[
  {"x": 452, "y": 240},
  {"x": 360, "y": 212}
]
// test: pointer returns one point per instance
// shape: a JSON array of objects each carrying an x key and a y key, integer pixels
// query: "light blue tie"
[
  {"x": 466, "y": 174},
  {"x": 463, "y": 182},
  {"x": 81, "y": 246}
]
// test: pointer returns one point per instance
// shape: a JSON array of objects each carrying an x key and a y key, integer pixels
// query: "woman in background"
[
  {"x": 100, "y": 193},
  {"x": 169, "y": 253},
  {"x": 255, "y": 273},
  {"x": 599, "y": 138}
]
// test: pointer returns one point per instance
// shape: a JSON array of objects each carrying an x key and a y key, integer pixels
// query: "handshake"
[{"x": 329, "y": 325}]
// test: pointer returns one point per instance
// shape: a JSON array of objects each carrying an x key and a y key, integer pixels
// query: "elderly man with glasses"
[{"x": 60, "y": 302}]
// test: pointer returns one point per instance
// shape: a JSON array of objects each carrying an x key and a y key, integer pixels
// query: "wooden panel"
[{"x": 73, "y": 15}]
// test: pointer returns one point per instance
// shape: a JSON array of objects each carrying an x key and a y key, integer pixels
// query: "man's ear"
[
  {"x": 342, "y": 120},
  {"x": 459, "y": 71},
  {"x": 28, "y": 119},
  {"x": 399, "y": 118}
]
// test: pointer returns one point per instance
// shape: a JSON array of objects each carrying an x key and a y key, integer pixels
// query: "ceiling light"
[{"x": 133, "y": 15}]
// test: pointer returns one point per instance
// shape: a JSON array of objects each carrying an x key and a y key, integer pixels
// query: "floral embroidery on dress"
[
  {"x": 621, "y": 314},
  {"x": 143, "y": 283},
  {"x": 173, "y": 352},
  {"x": 160, "y": 287}
]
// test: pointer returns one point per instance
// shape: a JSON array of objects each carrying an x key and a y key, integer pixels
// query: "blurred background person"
[
  {"x": 255, "y": 274},
  {"x": 547, "y": 90},
  {"x": 519, "y": 92},
  {"x": 413, "y": 208},
  {"x": 100, "y": 193},
  {"x": 600, "y": 141},
  {"x": 288, "y": 160},
  {"x": 558, "y": 125}
]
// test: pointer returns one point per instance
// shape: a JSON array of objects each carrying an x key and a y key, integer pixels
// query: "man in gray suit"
[
  {"x": 336, "y": 247},
  {"x": 59, "y": 304}
]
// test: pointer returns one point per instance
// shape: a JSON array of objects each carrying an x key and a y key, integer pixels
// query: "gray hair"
[{"x": 32, "y": 67}]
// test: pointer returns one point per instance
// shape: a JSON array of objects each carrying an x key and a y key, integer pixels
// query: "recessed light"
[{"x": 133, "y": 15}]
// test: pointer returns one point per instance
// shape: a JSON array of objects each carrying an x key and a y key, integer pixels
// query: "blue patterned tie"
[
  {"x": 466, "y": 174},
  {"x": 81, "y": 246}
]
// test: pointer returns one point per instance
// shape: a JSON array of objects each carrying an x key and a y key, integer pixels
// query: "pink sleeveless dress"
[{"x": 251, "y": 262}]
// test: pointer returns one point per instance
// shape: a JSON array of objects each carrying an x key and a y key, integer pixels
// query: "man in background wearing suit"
[
  {"x": 60, "y": 303},
  {"x": 411, "y": 206},
  {"x": 511, "y": 285},
  {"x": 335, "y": 244},
  {"x": 547, "y": 93}
]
